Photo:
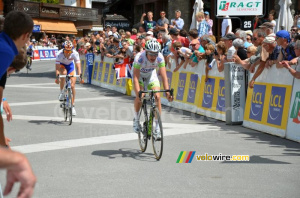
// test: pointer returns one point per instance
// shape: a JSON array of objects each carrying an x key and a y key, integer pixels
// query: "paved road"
[{"x": 98, "y": 155}]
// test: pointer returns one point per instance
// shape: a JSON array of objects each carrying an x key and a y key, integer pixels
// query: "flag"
[{"x": 123, "y": 69}]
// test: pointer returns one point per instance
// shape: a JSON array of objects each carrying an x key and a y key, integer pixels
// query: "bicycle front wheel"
[
  {"x": 157, "y": 143},
  {"x": 143, "y": 117},
  {"x": 70, "y": 106}
]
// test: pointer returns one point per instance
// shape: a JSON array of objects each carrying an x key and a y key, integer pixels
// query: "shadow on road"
[
  {"x": 41, "y": 122},
  {"x": 125, "y": 153},
  {"x": 257, "y": 160}
]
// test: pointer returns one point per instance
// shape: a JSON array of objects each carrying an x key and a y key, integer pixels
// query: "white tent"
[
  {"x": 285, "y": 18},
  {"x": 198, "y": 7}
]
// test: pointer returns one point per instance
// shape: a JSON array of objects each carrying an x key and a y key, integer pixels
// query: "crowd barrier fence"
[{"x": 275, "y": 94}]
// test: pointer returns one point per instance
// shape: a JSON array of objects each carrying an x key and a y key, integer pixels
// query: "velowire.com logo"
[{"x": 188, "y": 156}]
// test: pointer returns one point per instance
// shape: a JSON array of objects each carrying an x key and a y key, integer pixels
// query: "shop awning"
[{"x": 56, "y": 26}]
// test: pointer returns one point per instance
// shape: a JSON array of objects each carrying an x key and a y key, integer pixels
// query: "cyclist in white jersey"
[
  {"x": 65, "y": 65},
  {"x": 145, "y": 75}
]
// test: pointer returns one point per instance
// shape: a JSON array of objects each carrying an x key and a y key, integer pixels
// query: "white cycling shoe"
[
  {"x": 136, "y": 126},
  {"x": 157, "y": 134},
  {"x": 73, "y": 111},
  {"x": 61, "y": 97}
]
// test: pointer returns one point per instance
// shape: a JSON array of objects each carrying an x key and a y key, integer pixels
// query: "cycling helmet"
[
  {"x": 152, "y": 46},
  {"x": 68, "y": 45}
]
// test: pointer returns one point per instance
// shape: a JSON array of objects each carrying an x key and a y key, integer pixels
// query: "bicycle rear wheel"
[
  {"x": 70, "y": 106},
  {"x": 65, "y": 109},
  {"x": 157, "y": 143},
  {"x": 143, "y": 117}
]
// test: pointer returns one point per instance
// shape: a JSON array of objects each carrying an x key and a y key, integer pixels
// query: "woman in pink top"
[{"x": 209, "y": 21}]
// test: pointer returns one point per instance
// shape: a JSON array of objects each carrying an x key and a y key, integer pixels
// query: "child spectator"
[
  {"x": 220, "y": 58},
  {"x": 209, "y": 52}
]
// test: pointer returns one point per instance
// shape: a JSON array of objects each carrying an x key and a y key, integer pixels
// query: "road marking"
[
  {"x": 66, "y": 144},
  {"x": 36, "y": 84},
  {"x": 56, "y": 101},
  {"x": 115, "y": 122}
]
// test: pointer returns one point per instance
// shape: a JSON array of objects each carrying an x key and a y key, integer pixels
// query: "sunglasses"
[
  {"x": 177, "y": 48},
  {"x": 194, "y": 44},
  {"x": 294, "y": 30},
  {"x": 254, "y": 38},
  {"x": 68, "y": 51},
  {"x": 152, "y": 54}
]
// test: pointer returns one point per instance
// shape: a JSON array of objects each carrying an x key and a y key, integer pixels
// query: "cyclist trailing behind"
[
  {"x": 29, "y": 55},
  {"x": 145, "y": 75},
  {"x": 65, "y": 66}
]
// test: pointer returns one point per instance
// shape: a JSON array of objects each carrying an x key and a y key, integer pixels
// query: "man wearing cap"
[
  {"x": 267, "y": 27},
  {"x": 272, "y": 50},
  {"x": 162, "y": 23},
  {"x": 108, "y": 32},
  {"x": 148, "y": 24},
  {"x": 228, "y": 39},
  {"x": 178, "y": 22},
  {"x": 209, "y": 21},
  {"x": 287, "y": 52},
  {"x": 295, "y": 61}
]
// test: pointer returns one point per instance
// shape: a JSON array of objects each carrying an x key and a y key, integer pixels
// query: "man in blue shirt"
[
  {"x": 148, "y": 24},
  {"x": 17, "y": 30},
  {"x": 178, "y": 22}
]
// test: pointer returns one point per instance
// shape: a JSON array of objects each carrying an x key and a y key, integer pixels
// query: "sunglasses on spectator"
[
  {"x": 177, "y": 48},
  {"x": 194, "y": 44},
  {"x": 254, "y": 38},
  {"x": 248, "y": 39},
  {"x": 294, "y": 30}
]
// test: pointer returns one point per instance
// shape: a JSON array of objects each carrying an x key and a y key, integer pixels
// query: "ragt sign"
[{"x": 239, "y": 7}]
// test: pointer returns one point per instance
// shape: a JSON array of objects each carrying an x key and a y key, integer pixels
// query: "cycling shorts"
[
  {"x": 70, "y": 68},
  {"x": 148, "y": 82}
]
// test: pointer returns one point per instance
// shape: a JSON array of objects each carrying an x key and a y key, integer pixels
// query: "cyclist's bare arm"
[
  {"x": 78, "y": 66},
  {"x": 163, "y": 73},
  {"x": 57, "y": 67},
  {"x": 136, "y": 76}
]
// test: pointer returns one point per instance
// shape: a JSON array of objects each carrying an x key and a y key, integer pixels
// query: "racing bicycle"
[
  {"x": 28, "y": 65},
  {"x": 147, "y": 122},
  {"x": 67, "y": 105}
]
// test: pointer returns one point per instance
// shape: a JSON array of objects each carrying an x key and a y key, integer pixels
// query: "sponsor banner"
[
  {"x": 95, "y": 70},
  {"x": 100, "y": 78},
  {"x": 221, "y": 96},
  {"x": 106, "y": 73},
  {"x": 257, "y": 102},
  {"x": 239, "y": 7},
  {"x": 293, "y": 132},
  {"x": 276, "y": 104},
  {"x": 267, "y": 105},
  {"x": 192, "y": 88},
  {"x": 208, "y": 93},
  {"x": 36, "y": 28},
  {"x": 36, "y": 55},
  {"x": 47, "y": 53},
  {"x": 181, "y": 86},
  {"x": 112, "y": 75}
]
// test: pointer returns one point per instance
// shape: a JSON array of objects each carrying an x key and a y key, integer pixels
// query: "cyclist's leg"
[
  {"x": 137, "y": 101},
  {"x": 62, "y": 71},
  {"x": 154, "y": 84},
  {"x": 71, "y": 71}
]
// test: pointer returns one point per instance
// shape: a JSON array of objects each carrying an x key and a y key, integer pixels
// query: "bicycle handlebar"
[{"x": 155, "y": 91}]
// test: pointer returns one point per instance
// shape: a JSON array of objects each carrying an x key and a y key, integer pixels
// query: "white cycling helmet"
[
  {"x": 152, "y": 46},
  {"x": 68, "y": 45}
]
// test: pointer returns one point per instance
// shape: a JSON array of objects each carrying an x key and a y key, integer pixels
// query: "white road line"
[
  {"x": 57, "y": 102},
  {"x": 36, "y": 84},
  {"x": 66, "y": 144},
  {"x": 37, "y": 87},
  {"x": 117, "y": 122}
]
